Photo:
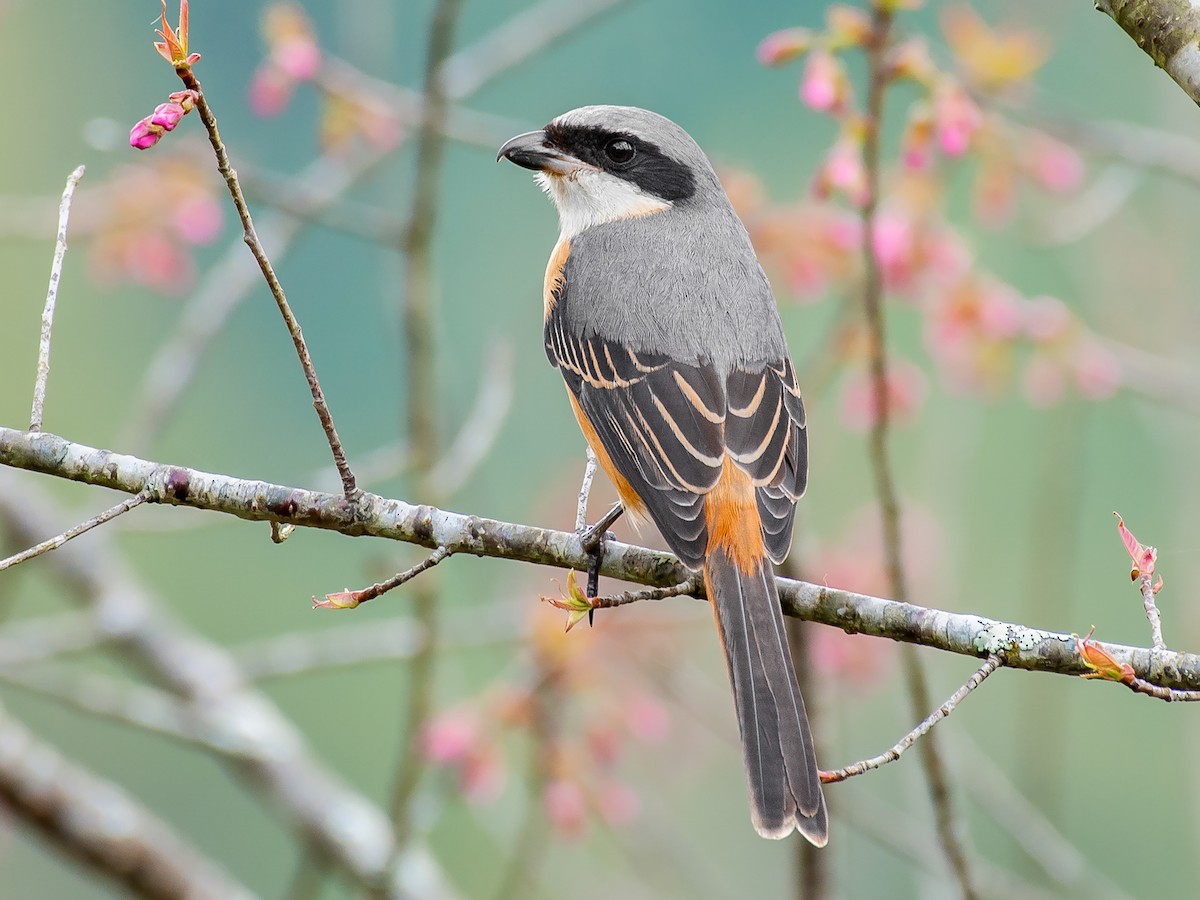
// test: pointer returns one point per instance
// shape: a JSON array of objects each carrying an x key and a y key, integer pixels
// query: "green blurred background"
[{"x": 1021, "y": 497}]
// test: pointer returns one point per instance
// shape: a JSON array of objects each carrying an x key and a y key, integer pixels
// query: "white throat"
[{"x": 588, "y": 197}]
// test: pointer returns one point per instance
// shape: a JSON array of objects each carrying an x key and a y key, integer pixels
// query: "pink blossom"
[
  {"x": 158, "y": 263},
  {"x": 1097, "y": 372},
  {"x": 480, "y": 776},
  {"x": 449, "y": 737},
  {"x": 1000, "y": 312},
  {"x": 566, "y": 807},
  {"x": 893, "y": 243},
  {"x": 1046, "y": 319},
  {"x": 1053, "y": 164},
  {"x": 198, "y": 219},
  {"x": 843, "y": 172},
  {"x": 784, "y": 46},
  {"x": 145, "y": 134},
  {"x": 647, "y": 718},
  {"x": 167, "y": 115},
  {"x": 270, "y": 90},
  {"x": 298, "y": 57},
  {"x": 824, "y": 85},
  {"x": 957, "y": 119},
  {"x": 916, "y": 144},
  {"x": 905, "y": 393},
  {"x": 618, "y": 804}
]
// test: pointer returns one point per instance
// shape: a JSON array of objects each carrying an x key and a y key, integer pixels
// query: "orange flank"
[
  {"x": 731, "y": 513},
  {"x": 629, "y": 498},
  {"x": 554, "y": 276}
]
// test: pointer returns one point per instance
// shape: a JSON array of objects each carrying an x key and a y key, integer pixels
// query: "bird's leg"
[{"x": 592, "y": 540}]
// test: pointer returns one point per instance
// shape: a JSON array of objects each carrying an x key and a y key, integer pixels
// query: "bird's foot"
[{"x": 592, "y": 540}]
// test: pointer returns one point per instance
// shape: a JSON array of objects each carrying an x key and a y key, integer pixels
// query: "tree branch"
[
  {"x": 96, "y": 822},
  {"x": 1019, "y": 646},
  {"x": 1168, "y": 31}
]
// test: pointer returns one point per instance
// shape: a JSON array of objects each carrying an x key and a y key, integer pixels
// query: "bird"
[{"x": 665, "y": 330}]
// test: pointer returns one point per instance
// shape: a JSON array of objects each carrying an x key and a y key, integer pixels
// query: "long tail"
[{"x": 785, "y": 791}]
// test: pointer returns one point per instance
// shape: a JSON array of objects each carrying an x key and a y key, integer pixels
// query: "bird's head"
[{"x": 604, "y": 163}]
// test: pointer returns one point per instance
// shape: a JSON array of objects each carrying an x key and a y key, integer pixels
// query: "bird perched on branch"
[{"x": 665, "y": 330}]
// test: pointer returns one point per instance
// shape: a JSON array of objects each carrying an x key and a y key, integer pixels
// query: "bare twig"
[
  {"x": 878, "y": 77},
  {"x": 585, "y": 490},
  {"x": 513, "y": 42},
  {"x": 482, "y": 425},
  {"x": 1021, "y": 647},
  {"x": 351, "y": 599},
  {"x": 60, "y": 252},
  {"x": 250, "y": 236},
  {"x": 892, "y": 754},
  {"x": 1141, "y": 686},
  {"x": 1153, "y": 616},
  {"x": 96, "y": 822},
  {"x": 59, "y": 539},
  {"x": 684, "y": 588}
]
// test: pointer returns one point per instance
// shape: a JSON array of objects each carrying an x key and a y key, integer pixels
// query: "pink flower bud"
[
  {"x": 449, "y": 737},
  {"x": 784, "y": 46},
  {"x": 145, "y": 134},
  {"x": 167, "y": 115},
  {"x": 270, "y": 91},
  {"x": 843, "y": 172},
  {"x": 824, "y": 86},
  {"x": 299, "y": 58},
  {"x": 566, "y": 807},
  {"x": 958, "y": 119}
]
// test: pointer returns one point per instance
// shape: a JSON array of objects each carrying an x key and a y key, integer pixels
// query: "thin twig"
[
  {"x": 60, "y": 252},
  {"x": 684, "y": 588},
  {"x": 878, "y": 77},
  {"x": 350, "y": 599},
  {"x": 1141, "y": 686},
  {"x": 250, "y": 236},
  {"x": 59, "y": 539},
  {"x": 97, "y": 822},
  {"x": 894, "y": 753},
  {"x": 1153, "y": 616},
  {"x": 585, "y": 490}
]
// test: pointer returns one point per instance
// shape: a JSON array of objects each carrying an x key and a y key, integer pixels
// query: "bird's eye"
[{"x": 619, "y": 150}]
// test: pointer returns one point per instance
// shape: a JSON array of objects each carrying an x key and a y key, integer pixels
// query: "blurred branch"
[
  {"x": 250, "y": 236},
  {"x": 530, "y": 30},
  {"x": 1168, "y": 31},
  {"x": 878, "y": 78},
  {"x": 270, "y": 753},
  {"x": 56, "y": 265},
  {"x": 59, "y": 539},
  {"x": 46, "y": 637},
  {"x": 481, "y": 427},
  {"x": 992, "y": 663},
  {"x": 1019, "y": 646},
  {"x": 96, "y": 822}
]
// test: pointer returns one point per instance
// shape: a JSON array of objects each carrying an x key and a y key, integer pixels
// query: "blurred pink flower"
[
  {"x": 566, "y": 807},
  {"x": 297, "y": 57},
  {"x": 859, "y": 659},
  {"x": 617, "y": 802},
  {"x": 270, "y": 90},
  {"x": 824, "y": 85},
  {"x": 647, "y": 718},
  {"x": 784, "y": 46},
  {"x": 449, "y": 737},
  {"x": 1052, "y": 164},
  {"x": 1097, "y": 372},
  {"x": 153, "y": 260},
  {"x": 916, "y": 144},
  {"x": 1001, "y": 311},
  {"x": 1046, "y": 318},
  {"x": 481, "y": 776},
  {"x": 905, "y": 393},
  {"x": 956, "y": 117},
  {"x": 198, "y": 219},
  {"x": 843, "y": 172}
]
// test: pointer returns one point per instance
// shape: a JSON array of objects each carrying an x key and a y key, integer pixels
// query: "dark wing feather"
[
  {"x": 660, "y": 421},
  {"x": 766, "y": 436}
]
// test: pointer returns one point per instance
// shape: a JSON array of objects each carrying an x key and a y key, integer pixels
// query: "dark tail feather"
[{"x": 785, "y": 790}]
